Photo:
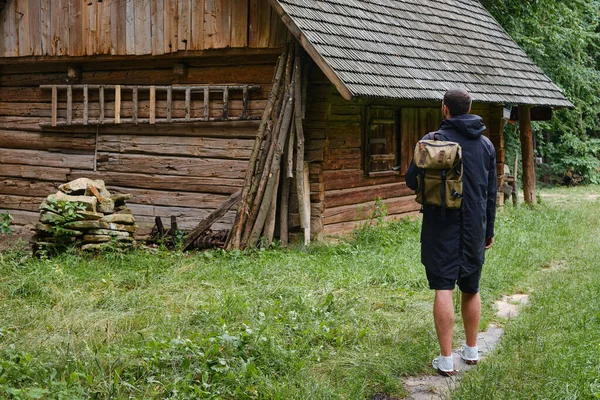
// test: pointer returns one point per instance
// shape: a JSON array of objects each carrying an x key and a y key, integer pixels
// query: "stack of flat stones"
[{"x": 106, "y": 221}]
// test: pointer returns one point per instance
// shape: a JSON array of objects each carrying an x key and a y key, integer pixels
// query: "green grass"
[
  {"x": 552, "y": 350},
  {"x": 342, "y": 321}
]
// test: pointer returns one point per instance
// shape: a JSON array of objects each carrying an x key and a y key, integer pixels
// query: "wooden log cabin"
[{"x": 163, "y": 98}]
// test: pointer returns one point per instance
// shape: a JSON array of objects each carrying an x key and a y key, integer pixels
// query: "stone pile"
[{"x": 84, "y": 212}]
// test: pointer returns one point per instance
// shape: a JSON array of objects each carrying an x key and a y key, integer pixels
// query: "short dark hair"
[{"x": 458, "y": 101}]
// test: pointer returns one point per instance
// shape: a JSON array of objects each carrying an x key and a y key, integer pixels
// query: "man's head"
[{"x": 456, "y": 102}]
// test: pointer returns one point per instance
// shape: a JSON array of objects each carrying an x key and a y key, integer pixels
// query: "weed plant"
[{"x": 345, "y": 320}]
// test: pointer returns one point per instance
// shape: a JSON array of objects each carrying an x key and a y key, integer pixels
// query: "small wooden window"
[
  {"x": 391, "y": 134},
  {"x": 383, "y": 141}
]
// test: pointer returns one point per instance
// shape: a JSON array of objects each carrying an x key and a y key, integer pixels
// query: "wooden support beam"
[
  {"x": 526, "y": 134},
  {"x": 85, "y": 105},
  {"x": 101, "y": 101},
  {"x": 134, "y": 106},
  {"x": 152, "y": 110},
  {"x": 117, "y": 104},
  {"x": 69, "y": 105},
  {"x": 245, "y": 100},
  {"x": 54, "y": 105},
  {"x": 169, "y": 103},
  {"x": 206, "y": 101},
  {"x": 225, "y": 103},
  {"x": 188, "y": 99}
]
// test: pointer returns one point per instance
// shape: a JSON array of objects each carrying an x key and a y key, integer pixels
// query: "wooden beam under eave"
[
  {"x": 312, "y": 52},
  {"x": 526, "y": 134}
]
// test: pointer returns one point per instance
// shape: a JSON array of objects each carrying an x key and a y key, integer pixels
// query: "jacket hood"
[{"x": 469, "y": 125}]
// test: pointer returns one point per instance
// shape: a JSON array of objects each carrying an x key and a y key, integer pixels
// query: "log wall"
[
  {"x": 135, "y": 27},
  {"x": 186, "y": 170},
  {"x": 343, "y": 196}
]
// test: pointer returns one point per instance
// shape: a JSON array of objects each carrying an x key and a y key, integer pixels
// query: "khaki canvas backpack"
[{"x": 440, "y": 173}]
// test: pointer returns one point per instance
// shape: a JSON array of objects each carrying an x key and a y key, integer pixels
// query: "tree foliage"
[{"x": 563, "y": 38}]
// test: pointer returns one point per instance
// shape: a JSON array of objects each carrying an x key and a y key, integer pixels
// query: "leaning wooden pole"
[
  {"x": 236, "y": 232},
  {"x": 208, "y": 221},
  {"x": 526, "y": 134},
  {"x": 301, "y": 189},
  {"x": 275, "y": 167}
]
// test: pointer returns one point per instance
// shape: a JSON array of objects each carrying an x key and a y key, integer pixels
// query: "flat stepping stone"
[
  {"x": 124, "y": 228},
  {"x": 87, "y": 225},
  {"x": 90, "y": 202},
  {"x": 437, "y": 387},
  {"x": 96, "y": 238},
  {"x": 127, "y": 219},
  {"x": 108, "y": 232},
  {"x": 90, "y": 216}
]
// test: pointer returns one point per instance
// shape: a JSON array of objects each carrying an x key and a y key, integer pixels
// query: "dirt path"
[{"x": 436, "y": 387}]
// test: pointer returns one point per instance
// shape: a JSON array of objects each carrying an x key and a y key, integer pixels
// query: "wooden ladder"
[{"x": 152, "y": 115}]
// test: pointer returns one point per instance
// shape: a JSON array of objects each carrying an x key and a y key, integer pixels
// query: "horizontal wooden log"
[
  {"x": 163, "y": 182},
  {"x": 44, "y": 110},
  {"x": 21, "y": 217},
  {"x": 345, "y": 228},
  {"x": 354, "y": 212},
  {"x": 217, "y": 75},
  {"x": 188, "y": 166},
  {"x": 183, "y": 146},
  {"x": 171, "y": 198},
  {"x": 336, "y": 198},
  {"x": 225, "y": 129},
  {"x": 35, "y": 172},
  {"x": 26, "y": 187},
  {"x": 14, "y": 139},
  {"x": 332, "y": 163},
  {"x": 23, "y": 203},
  {"x": 46, "y": 158},
  {"x": 353, "y": 178}
]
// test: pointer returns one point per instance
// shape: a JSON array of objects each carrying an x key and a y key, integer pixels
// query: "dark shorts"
[{"x": 467, "y": 284}]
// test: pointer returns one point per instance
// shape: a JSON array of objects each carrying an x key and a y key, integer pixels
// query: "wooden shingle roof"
[{"x": 417, "y": 49}]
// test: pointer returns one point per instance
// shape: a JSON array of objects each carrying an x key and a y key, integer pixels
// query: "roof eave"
[{"x": 311, "y": 51}]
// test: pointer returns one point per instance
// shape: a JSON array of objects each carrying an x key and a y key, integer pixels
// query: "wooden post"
[
  {"x": 245, "y": 103},
  {"x": 169, "y": 103},
  {"x": 134, "y": 106},
  {"x": 69, "y": 105},
  {"x": 85, "y": 105},
  {"x": 188, "y": 99},
  {"x": 515, "y": 184},
  {"x": 101, "y": 101},
  {"x": 527, "y": 152},
  {"x": 54, "y": 104},
  {"x": 117, "y": 104},
  {"x": 206, "y": 103},
  {"x": 152, "y": 105},
  {"x": 225, "y": 103}
]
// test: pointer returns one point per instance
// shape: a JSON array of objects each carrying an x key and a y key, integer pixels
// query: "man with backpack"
[{"x": 454, "y": 238}]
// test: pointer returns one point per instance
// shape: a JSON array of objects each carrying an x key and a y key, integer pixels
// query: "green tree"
[{"x": 563, "y": 38}]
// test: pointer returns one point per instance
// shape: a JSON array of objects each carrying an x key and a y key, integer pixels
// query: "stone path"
[{"x": 436, "y": 387}]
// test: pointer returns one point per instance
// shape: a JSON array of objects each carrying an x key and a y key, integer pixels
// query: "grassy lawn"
[{"x": 335, "y": 321}]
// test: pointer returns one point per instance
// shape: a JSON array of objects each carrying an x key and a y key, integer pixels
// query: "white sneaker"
[
  {"x": 470, "y": 355},
  {"x": 444, "y": 365}
]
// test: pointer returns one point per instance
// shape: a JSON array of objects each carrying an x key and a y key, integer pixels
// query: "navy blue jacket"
[{"x": 459, "y": 238}]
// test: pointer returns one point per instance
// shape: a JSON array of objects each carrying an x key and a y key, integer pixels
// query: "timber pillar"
[{"x": 526, "y": 134}]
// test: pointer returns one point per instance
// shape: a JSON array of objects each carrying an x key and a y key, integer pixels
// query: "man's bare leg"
[
  {"x": 471, "y": 313},
  {"x": 443, "y": 316}
]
